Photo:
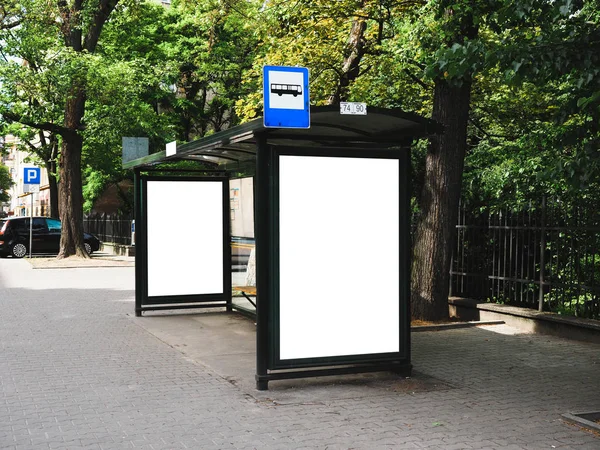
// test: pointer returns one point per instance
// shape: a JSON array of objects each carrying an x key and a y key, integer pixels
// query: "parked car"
[{"x": 14, "y": 236}]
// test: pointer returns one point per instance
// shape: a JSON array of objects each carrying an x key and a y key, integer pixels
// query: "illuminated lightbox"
[
  {"x": 185, "y": 237},
  {"x": 339, "y": 256}
]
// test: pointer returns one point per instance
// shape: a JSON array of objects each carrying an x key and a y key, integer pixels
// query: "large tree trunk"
[
  {"x": 70, "y": 197},
  {"x": 436, "y": 227}
]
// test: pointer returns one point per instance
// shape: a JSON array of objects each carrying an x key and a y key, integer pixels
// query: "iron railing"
[
  {"x": 109, "y": 228},
  {"x": 545, "y": 255}
]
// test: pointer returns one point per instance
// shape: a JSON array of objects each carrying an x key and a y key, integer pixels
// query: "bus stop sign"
[{"x": 286, "y": 97}]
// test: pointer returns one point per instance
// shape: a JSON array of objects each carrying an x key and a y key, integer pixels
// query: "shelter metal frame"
[
  {"x": 143, "y": 300},
  {"x": 252, "y": 148},
  {"x": 270, "y": 366}
]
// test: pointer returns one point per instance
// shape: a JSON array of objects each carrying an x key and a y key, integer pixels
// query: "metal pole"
[
  {"x": 31, "y": 225},
  {"x": 542, "y": 255},
  {"x": 405, "y": 255},
  {"x": 139, "y": 249},
  {"x": 227, "y": 246},
  {"x": 262, "y": 219}
]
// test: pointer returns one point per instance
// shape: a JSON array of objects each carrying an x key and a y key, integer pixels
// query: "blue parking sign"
[
  {"x": 32, "y": 175},
  {"x": 286, "y": 97}
]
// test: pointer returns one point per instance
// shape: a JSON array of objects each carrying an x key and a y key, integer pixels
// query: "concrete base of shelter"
[
  {"x": 117, "y": 249},
  {"x": 527, "y": 320},
  {"x": 226, "y": 343}
]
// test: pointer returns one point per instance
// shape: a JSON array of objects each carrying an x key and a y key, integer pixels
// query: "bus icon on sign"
[{"x": 288, "y": 89}]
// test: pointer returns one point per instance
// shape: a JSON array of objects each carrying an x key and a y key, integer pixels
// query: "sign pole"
[
  {"x": 31, "y": 184},
  {"x": 31, "y": 225}
]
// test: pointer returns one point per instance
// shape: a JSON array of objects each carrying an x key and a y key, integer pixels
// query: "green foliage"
[
  {"x": 523, "y": 145},
  {"x": 96, "y": 181},
  {"x": 5, "y": 183},
  {"x": 210, "y": 46},
  {"x": 578, "y": 305},
  {"x": 195, "y": 68},
  {"x": 535, "y": 116},
  {"x": 316, "y": 35},
  {"x": 126, "y": 83}
]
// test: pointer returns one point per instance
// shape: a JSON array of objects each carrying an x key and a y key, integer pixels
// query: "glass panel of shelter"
[{"x": 243, "y": 260}]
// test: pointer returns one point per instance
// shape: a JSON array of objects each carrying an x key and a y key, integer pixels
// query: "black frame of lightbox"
[
  {"x": 144, "y": 302},
  {"x": 269, "y": 364}
]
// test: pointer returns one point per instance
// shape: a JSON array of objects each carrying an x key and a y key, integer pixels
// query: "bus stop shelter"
[{"x": 332, "y": 228}]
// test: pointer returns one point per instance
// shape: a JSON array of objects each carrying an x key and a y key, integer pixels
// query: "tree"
[
  {"x": 153, "y": 74},
  {"x": 443, "y": 171},
  {"x": 60, "y": 40},
  {"x": 9, "y": 18},
  {"x": 165, "y": 74},
  {"x": 21, "y": 73},
  {"x": 211, "y": 45},
  {"x": 5, "y": 183},
  {"x": 343, "y": 43},
  {"x": 127, "y": 82},
  {"x": 523, "y": 39},
  {"x": 514, "y": 161},
  {"x": 80, "y": 37}
]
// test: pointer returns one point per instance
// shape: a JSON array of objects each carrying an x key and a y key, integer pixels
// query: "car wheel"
[
  {"x": 88, "y": 248},
  {"x": 18, "y": 250}
]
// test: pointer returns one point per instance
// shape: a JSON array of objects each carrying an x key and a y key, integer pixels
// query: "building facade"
[{"x": 20, "y": 203}]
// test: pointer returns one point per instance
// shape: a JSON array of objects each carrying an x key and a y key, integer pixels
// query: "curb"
[
  {"x": 451, "y": 326},
  {"x": 581, "y": 419}
]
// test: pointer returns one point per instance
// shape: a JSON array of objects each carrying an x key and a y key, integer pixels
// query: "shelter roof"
[{"x": 380, "y": 128}]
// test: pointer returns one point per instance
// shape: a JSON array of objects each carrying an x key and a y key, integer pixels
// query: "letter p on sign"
[{"x": 32, "y": 175}]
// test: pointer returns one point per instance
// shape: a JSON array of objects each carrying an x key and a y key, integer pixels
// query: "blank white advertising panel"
[
  {"x": 339, "y": 256},
  {"x": 185, "y": 237}
]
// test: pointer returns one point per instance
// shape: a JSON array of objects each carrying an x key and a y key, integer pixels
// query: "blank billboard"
[
  {"x": 339, "y": 256},
  {"x": 185, "y": 237}
]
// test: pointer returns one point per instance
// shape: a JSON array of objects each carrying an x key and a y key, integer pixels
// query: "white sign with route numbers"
[{"x": 353, "y": 108}]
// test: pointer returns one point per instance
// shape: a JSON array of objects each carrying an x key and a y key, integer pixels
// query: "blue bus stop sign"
[{"x": 286, "y": 97}]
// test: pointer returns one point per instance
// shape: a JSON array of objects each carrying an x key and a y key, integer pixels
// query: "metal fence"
[
  {"x": 109, "y": 228},
  {"x": 544, "y": 256}
]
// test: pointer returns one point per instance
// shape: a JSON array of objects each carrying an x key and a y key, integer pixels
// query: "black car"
[{"x": 14, "y": 236}]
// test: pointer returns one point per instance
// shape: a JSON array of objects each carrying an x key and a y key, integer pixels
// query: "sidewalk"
[{"x": 79, "y": 370}]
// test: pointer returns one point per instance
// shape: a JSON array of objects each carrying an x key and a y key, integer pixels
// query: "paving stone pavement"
[{"x": 78, "y": 371}]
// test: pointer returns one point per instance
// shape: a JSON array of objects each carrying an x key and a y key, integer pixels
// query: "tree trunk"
[
  {"x": 70, "y": 195},
  {"x": 436, "y": 227},
  {"x": 53, "y": 187},
  {"x": 355, "y": 50},
  {"x": 52, "y": 176}
]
